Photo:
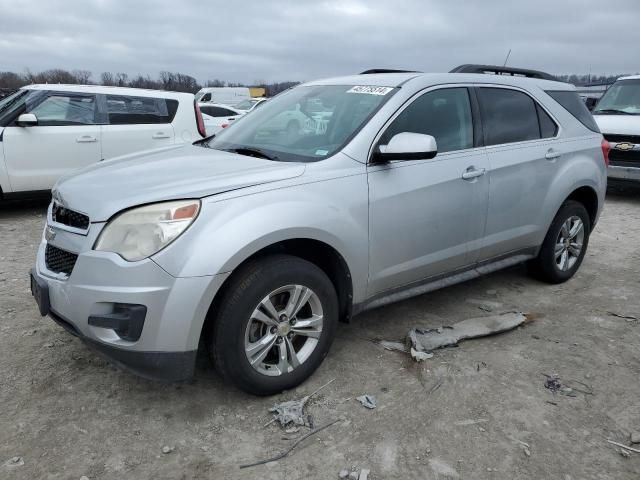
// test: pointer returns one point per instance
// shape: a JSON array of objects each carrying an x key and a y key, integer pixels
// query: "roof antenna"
[{"x": 506, "y": 59}]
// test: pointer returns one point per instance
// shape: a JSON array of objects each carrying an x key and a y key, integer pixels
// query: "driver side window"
[{"x": 444, "y": 114}]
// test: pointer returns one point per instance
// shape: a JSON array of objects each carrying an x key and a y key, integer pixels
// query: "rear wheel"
[
  {"x": 564, "y": 246},
  {"x": 275, "y": 324}
]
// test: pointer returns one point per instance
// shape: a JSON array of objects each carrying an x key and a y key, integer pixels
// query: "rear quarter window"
[
  {"x": 126, "y": 110},
  {"x": 571, "y": 102}
]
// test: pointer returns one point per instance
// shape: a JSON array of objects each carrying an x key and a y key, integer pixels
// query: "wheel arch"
[
  {"x": 588, "y": 197},
  {"x": 320, "y": 253}
]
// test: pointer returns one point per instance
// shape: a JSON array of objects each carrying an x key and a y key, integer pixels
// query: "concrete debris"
[
  {"x": 526, "y": 451},
  {"x": 353, "y": 475},
  {"x": 167, "y": 449},
  {"x": 84, "y": 477},
  {"x": 292, "y": 411},
  {"x": 344, "y": 473},
  {"x": 635, "y": 437},
  {"x": 364, "y": 474},
  {"x": 14, "y": 462},
  {"x": 446, "y": 336},
  {"x": 367, "y": 401},
  {"x": 420, "y": 356},
  {"x": 292, "y": 430}
]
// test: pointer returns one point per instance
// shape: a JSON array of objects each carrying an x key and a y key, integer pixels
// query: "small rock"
[
  {"x": 344, "y": 473},
  {"x": 167, "y": 449},
  {"x": 367, "y": 401},
  {"x": 364, "y": 474},
  {"x": 420, "y": 356},
  {"x": 48, "y": 344},
  {"x": 481, "y": 429},
  {"x": 14, "y": 462},
  {"x": 292, "y": 430},
  {"x": 353, "y": 476},
  {"x": 635, "y": 437},
  {"x": 526, "y": 451},
  {"x": 84, "y": 477}
]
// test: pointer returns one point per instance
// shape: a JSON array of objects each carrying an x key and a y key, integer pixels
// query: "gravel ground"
[{"x": 477, "y": 411}]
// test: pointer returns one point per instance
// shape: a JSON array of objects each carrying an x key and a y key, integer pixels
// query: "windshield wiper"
[
  {"x": 612, "y": 111},
  {"x": 252, "y": 152}
]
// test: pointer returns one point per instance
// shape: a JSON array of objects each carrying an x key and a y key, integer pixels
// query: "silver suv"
[{"x": 259, "y": 240}]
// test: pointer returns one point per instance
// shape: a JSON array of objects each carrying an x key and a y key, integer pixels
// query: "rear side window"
[
  {"x": 66, "y": 109},
  {"x": 217, "y": 111},
  {"x": 508, "y": 116},
  {"x": 444, "y": 114},
  {"x": 125, "y": 110},
  {"x": 576, "y": 107}
]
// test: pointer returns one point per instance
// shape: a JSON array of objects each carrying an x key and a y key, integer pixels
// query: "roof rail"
[
  {"x": 498, "y": 70},
  {"x": 386, "y": 70}
]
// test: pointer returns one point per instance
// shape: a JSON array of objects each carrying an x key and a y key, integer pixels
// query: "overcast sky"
[{"x": 246, "y": 40}]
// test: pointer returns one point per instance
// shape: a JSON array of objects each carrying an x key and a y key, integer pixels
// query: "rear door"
[
  {"x": 66, "y": 138},
  {"x": 136, "y": 123},
  {"x": 427, "y": 217},
  {"x": 520, "y": 137}
]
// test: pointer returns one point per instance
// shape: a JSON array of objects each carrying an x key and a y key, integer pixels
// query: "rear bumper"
[{"x": 623, "y": 173}]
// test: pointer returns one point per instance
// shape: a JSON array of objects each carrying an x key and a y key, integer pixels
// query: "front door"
[
  {"x": 427, "y": 217},
  {"x": 66, "y": 138}
]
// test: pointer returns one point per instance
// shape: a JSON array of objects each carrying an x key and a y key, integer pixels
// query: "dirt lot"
[{"x": 466, "y": 413}]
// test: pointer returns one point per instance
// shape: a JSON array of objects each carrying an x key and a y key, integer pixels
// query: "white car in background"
[
  {"x": 250, "y": 104},
  {"x": 217, "y": 116},
  {"x": 223, "y": 95},
  {"x": 47, "y": 131}
]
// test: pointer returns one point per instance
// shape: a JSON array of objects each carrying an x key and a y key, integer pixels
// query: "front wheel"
[
  {"x": 275, "y": 324},
  {"x": 564, "y": 246}
]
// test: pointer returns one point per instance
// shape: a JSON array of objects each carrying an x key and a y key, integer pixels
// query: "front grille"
[
  {"x": 68, "y": 217},
  {"x": 58, "y": 260},
  {"x": 630, "y": 158},
  {"x": 622, "y": 138}
]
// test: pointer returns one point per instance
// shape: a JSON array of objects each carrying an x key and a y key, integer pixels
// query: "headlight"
[{"x": 140, "y": 232}]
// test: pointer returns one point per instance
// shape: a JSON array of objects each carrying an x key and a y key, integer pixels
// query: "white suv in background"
[{"x": 47, "y": 131}]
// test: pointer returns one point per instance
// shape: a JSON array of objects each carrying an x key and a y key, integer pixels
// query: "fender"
[
  {"x": 585, "y": 168},
  {"x": 228, "y": 232}
]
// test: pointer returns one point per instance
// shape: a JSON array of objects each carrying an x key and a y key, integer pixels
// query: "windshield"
[
  {"x": 245, "y": 104},
  {"x": 11, "y": 99},
  {"x": 623, "y": 97},
  {"x": 304, "y": 124}
]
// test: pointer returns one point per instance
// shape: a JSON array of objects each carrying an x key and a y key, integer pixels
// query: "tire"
[
  {"x": 548, "y": 266},
  {"x": 241, "y": 324}
]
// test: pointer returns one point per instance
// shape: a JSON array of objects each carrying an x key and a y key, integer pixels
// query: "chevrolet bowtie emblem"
[{"x": 624, "y": 146}]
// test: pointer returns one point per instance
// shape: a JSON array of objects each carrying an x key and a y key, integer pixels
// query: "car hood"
[
  {"x": 106, "y": 188},
  {"x": 618, "y": 124}
]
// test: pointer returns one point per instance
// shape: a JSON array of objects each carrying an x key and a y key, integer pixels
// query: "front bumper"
[
  {"x": 176, "y": 308},
  {"x": 623, "y": 173}
]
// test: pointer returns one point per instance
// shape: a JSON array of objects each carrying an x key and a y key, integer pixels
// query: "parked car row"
[{"x": 335, "y": 197}]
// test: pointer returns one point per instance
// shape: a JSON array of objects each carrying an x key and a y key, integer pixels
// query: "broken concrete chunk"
[
  {"x": 353, "y": 476},
  {"x": 167, "y": 449},
  {"x": 289, "y": 412},
  {"x": 367, "y": 401},
  {"x": 344, "y": 473},
  {"x": 420, "y": 356},
  {"x": 431, "y": 339},
  {"x": 635, "y": 437},
  {"x": 364, "y": 474},
  {"x": 14, "y": 462}
]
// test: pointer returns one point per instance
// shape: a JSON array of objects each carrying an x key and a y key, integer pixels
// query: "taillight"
[
  {"x": 605, "y": 151},
  {"x": 199, "y": 120}
]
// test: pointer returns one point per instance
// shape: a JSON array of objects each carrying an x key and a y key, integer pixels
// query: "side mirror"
[
  {"x": 27, "y": 120},
  {"x": 406, "y": 146},
  {"x": 591, "y": 103}
]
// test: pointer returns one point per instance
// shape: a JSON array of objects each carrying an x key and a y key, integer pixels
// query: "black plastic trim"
[
  {"x": 379, "y": 157},
  {"x": 162, "y": 366},
  {"x": 127, "y": 320},
  {"x": 386, "y": 70},
  {"x": 502, "y": 70},
  {"x": 476, "y": 118}
]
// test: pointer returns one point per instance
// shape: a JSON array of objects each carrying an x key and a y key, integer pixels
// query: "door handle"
[
  {"x": 473, "y": 172},
  {"x": 160, "y": 135},
  {"x": 552, "y": 155},
  {"x": 86, "y": 139}
]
